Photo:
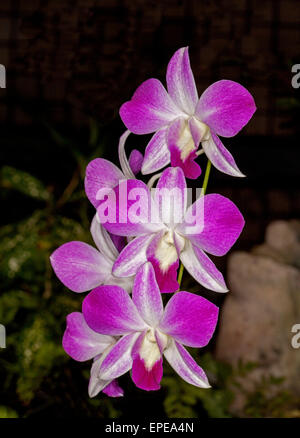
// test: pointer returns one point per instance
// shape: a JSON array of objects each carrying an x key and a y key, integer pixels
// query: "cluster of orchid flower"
[{"x": 139, "y": 253}]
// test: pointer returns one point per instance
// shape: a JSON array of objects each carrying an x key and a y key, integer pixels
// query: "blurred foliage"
[
  {"x": 267, "y": 401},
  {"x": 184, "y": 400},
  {"x": 33, "y": 303},
  {"x": 38, "y": 378}
]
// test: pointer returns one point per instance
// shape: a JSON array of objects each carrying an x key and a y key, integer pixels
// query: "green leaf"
[
  {"x": 21, "y": 252},
  {"x": 6, "y": 412},
  {"x": 23, "y": 182},
  {"x": 38, "y": 354},
  {"x": 12, "y": 301}
]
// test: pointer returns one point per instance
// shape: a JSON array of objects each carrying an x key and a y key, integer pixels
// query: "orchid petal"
[
  {"x": 146, "y": 375},
  {"x": 110, "y": 310},
  {"x": 80, "y": 341},
  {"x": 189, "y": 319},
  {"x": 146, "y": 295},
  {"x": 180, "y": 81},
  {"x": 100, "y": 174},
  {"x": 79, "y": 266},
  {"x": 157, "y": 154},
  {"x": 119, "y": 360},
  {"x": 150, "y": 108},
  {"x": 184, "y": 365},
  {"x": 96, "y": 384},
  {"x": 226, "y": 107},
  {"x": 125, "y": 283},
  {"x": 220, "y": 157},
  {"x": 135, "y": 161},
  {"x": 132, "y": 256},
  {"x": 202, "y": 268},
  {"x": 103, "y": 240},
  {"x": 164, "y": 258},
  {"x": 119, "y": 241},
  {"x": 113, "y": 389},
  {"x": 182, "y": 147},
  {"x": 218, "y": 228}
]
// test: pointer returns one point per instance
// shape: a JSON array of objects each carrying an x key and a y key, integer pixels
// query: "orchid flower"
[
  {"x": 103, "y": 174},
  {"x": 82, "y": 343},
  {"x": 149, "y": 331},
  {"x": 81, "y": 267},
  {"x": 181, "y": 121},
  {"x": 165, "y": 241}
]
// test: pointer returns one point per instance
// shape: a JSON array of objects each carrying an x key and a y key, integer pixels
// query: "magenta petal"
[
  {"x": 202, "y": 268},
  {"x": 185, "y": 366},
  {"x": 80, "y": 341},
  {"x": 189, "y": 319},
  {"x": 146, "y": 295},
  {"x": 147, "y": 371},
  {"x": 191, "y": 169},
  {"x": 170, "y": 195},
  {"x": 226, "y": 107},
  {"x": 110, "y": 310},
  {"x": 182, "y": 148},
  {"x": 119, "y": 360},
  {"x": 165, "y": 270},
  {"x": 135, "y": 161},
  {"x": 113, "y": 389},
  {"x": 167, "y": 280},
  {"x": 146, "y": 379},
  {"x": 132, "y": 256},
  {"x": 157, "y": 154},
  {"x": 150, "y": 108},
  {"x": 221, "y": 225},
  {"x": 180, "y": 81},
  {"x": 119, "y": 241},
  {"x": 132, "y": 211},
  {"x": 79, "y": 266},
  {"x": 100, "y": 174}
]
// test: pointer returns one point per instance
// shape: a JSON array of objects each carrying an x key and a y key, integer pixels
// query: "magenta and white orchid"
[
  {"x": 82, "y": 343},
  {"x": 81, "y": 267},
  {"x": 181, "y": 120},
  {"x": 164, "y": 241},
  {"x": 149, "y": 332}
]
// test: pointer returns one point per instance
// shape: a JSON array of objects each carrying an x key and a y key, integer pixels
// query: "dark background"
[{"x": 71, "y": 64}]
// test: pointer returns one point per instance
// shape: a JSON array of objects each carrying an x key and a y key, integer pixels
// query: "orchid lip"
[{"x": 150, "y": 351}]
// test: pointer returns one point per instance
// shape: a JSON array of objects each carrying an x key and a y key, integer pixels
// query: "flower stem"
[
  {"x": 180, "y": 274},
  {"x": 204, "y": 187},
  {"x": 206, "y": 177}
]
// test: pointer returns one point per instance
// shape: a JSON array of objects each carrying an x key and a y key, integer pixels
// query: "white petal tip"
[{"x": 145, "y": 170}]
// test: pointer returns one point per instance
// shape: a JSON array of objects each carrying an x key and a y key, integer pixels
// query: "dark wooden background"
[{"x": 70, "y": 60}]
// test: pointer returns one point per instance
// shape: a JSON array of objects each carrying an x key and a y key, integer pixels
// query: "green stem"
[
  {"x": 204, "y": 187},
  {"x": 206, "y": 177},
  {"x": 180, "y": 274}
]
